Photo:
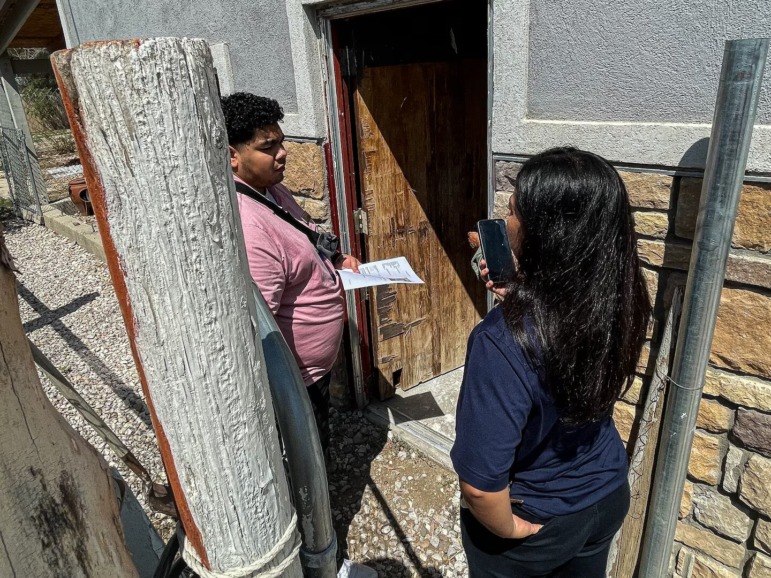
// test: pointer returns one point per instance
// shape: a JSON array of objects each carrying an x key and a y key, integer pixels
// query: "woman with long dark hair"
[{"x": 543, "y": 471}]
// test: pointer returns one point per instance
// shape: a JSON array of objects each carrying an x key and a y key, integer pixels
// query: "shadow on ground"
[
  {"x": 355, "y": 443},
  {"x": 53, "y": 317}
]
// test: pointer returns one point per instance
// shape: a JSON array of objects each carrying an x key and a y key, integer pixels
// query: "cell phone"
[{"x": 496, "y": 250}]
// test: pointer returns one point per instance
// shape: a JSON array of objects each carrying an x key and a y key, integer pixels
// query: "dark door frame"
[{"x": 341, "y": 173}]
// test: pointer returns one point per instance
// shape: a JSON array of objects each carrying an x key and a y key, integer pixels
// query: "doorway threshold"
[{"x": 423, "y": 416}]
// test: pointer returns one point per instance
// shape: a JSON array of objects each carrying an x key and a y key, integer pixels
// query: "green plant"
[
  {"x": 6, "y": 209},
  {"x": 42, "y": 103}
]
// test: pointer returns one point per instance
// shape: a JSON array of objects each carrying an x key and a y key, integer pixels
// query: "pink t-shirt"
[{"x": 302, "y": 289}]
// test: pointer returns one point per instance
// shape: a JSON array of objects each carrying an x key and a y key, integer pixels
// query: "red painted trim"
[{"x": 343, "y": 92}]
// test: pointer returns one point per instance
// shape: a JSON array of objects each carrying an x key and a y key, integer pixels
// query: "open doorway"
[{"x": 413, "y": 91}]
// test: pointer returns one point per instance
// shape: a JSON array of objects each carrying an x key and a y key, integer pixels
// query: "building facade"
[{"x": 407, "y": 121}]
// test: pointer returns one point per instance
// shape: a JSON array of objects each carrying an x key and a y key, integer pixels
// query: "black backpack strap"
[{"x": 280, "y": 211}]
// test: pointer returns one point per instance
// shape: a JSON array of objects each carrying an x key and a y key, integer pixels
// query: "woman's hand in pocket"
[{"x": 523, "y": 528}]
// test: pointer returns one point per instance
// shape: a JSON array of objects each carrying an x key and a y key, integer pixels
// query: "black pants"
[
  {"x": 318, "y": 392},
  {"x": 571, "y": 546}
]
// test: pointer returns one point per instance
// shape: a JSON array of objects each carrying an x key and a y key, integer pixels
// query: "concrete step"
[{"x": 423, "y": 417}]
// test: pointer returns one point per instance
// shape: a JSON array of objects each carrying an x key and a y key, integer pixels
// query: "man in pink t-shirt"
[{"x": 300, "y": 285}]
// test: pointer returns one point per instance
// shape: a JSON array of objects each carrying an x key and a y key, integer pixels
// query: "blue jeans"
[{"x": 567, "y": 546}]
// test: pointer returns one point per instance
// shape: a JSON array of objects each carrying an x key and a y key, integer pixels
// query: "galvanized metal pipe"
[
  {"x": 737, "y": 100},
  {"x": 307, "y": 472}
]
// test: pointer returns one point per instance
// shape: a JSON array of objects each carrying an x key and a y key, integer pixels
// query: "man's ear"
[{"x": 235, "y": 157}]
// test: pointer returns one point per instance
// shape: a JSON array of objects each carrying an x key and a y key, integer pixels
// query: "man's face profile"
[{"x": 260, "y": 162}]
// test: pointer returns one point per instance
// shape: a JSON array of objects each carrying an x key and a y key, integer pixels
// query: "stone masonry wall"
[
  {"x": 724, "y": 530},
  {"x": 306, "y": 178}
]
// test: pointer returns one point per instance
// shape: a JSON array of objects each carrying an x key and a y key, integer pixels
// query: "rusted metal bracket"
[{"x": 360, "y": 225}]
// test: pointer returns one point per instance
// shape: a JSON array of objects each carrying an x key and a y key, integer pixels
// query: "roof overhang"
[{"x": 30, "y": 24}]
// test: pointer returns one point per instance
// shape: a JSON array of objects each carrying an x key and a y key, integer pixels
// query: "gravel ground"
[{"x": 394, "y": 509}]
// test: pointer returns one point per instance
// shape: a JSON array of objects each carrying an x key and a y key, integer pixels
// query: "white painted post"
[
  {"x": 150, "y": 132},
  {"x": 59, "y": 512}
]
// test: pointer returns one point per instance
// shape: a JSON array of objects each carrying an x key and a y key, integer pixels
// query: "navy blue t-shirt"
[{"x": 507, "y": 430}]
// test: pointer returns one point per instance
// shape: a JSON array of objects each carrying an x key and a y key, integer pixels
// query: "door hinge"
[{"x": 360, "y": 222}]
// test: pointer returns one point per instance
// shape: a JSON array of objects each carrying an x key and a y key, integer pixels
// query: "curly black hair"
[{"x": 246, "y": 113}]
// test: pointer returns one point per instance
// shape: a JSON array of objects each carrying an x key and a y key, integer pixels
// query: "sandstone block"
[
  {"x": 714, "y": 417},
  {"x": 684, "y": 562},
  {"x": 644, "y": 363},
  {"x": 304, "y": 169},
  {"x": 501, "y": 205},
  {"x": 732, "y": 471},
  {"x": 652, "y": 282},
  {"x": 318, "y": 210},
  {"x": 706, "y": 457},
  {"x": 741, "y": 390},
  {"x": 718, "y": 513},
  {"x": 648, "y": 190},
  {"x": 712, "y": 382},
  {"x": 672, "y": 569},
  {"x": 753, "y": 429},
  {"x": 759, "y": 567},
  {"x": 695, "y": 565},
  {"x": 754, "y": 484},
  {"x": 752, "y": 269},
  {"x": 753, "y": 218},
  {"x": 505, "y": 174},
  {"x": 634, "y": 394},
  {"x": 625, "y": 416},
  {"x": 742, "y": 340},
  {"x": 704, "y": 567},
  {"x": 706, "y": 542},
  {"x": 762, "y": 539},
  {"x": 686, "y": 503},
  {"x": 659, "y": 254},
  {"x": 651, "y": 224}
]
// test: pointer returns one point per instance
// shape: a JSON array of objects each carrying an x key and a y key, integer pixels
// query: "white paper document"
[{"x": 379, "y": 273}]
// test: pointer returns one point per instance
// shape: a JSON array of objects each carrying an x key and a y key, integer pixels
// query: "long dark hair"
[{"x": 579, "y": 304}]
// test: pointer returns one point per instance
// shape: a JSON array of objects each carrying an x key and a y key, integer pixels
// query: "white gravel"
[{"x": 397, "y": 509}]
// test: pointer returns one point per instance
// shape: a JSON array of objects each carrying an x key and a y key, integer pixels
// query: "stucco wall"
[
  {"x": 634, "y": 81},
  {"x": 636, "y": 60},
  {"x": 257, "y": 34}
]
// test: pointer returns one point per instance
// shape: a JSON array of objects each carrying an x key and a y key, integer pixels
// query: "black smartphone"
[{"x": 496, "y": 250}]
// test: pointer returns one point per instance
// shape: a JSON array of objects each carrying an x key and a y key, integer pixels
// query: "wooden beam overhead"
[{"x": 30, "y": 24}]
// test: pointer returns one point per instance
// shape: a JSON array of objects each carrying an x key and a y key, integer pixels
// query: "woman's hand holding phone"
[
  {"x": 498, "y": 290},
  {"x": 497, "y": 265}
]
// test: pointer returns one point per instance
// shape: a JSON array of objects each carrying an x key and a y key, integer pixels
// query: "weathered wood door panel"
[{"x": 421, "y": 135}]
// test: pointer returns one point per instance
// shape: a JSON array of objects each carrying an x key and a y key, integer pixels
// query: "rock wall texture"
[
  {"x": 724, "y": 529},
  {"x": 306, "y": 177}
]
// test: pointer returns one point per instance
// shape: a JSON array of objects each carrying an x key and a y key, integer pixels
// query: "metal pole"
[
  {"x": 307, "y": 472},
  {"x": 737, "y": 100}
]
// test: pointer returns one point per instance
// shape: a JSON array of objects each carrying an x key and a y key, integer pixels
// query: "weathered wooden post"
[
  {"x": 151, "y": 135},
  {"x": 59, "y": 513}
]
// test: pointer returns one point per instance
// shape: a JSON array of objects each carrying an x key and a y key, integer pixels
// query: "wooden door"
[{"x": 421, "y": 141}]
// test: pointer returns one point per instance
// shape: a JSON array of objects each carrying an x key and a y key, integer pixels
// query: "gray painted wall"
[
  {"x": 257, "y": 32},
  {"x": 636, "y": 60}
]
